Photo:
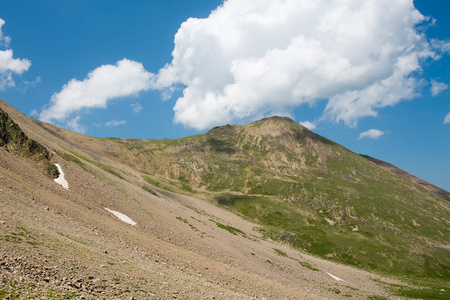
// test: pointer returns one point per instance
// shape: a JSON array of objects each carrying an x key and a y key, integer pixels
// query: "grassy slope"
[{"x": 307, "y": 191}]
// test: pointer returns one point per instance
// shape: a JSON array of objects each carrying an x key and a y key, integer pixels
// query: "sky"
[{"x": 372, "y": 75}]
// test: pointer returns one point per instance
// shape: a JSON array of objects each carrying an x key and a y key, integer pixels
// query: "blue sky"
[{"x": 371, "y": 75}]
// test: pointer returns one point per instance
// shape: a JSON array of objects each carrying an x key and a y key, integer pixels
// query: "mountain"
[
  {"x": 306, "y": 191},
  {"x": 269, "y": 209}
]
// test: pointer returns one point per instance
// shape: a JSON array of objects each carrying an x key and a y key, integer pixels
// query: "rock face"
[{"x": 15, "y": 141}]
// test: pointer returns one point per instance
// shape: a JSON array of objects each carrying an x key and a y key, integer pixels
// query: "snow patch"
[
  {"x": 335, "y": 277},
  {"x": 122, "y": 217},
  {"x": 61, "y": 180}
]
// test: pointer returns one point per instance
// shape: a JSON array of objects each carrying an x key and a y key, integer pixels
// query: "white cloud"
[
  {"x": 126, "y": 78},
  {"x": 308, "y": 124},
  {"x": 447, "y": 118},
  {"x": 254, "y": 57},
  {"x": 8, "y": 64},
  {"x": 115, "y": 123},
  {"x": 74, "y": 124},
  {"x": 437, "y": 87},
  {"x": 4, "y": 39},
  {"x": 441, "y": 46},
  {"x": 137, "y": 108},
  {"x": 112, "y": 123},
  {"x": 371, "y": 134}
]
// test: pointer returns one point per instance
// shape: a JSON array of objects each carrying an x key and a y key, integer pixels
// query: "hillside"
[
  {"x": 405, "y": 175},
  {"x": 233, "y": 214},
  {"x": 305, "y": 190}
]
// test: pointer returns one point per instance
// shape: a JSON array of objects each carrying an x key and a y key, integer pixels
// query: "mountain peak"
[
  {"x": 276, "y": 119},
  {"x": 275, "y": 122}
]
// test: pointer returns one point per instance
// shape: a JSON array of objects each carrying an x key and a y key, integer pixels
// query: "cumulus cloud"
[
  {"x": 447, "y": 118},
  {"x": 371, "y": 134},
  {"x": 437, "y": 87},
  {"x": 126, "y": 78},
  {"x": 8, "y": 64},
  {"x": 254, "y": 58},
  {"x": 308, "y": 124}
]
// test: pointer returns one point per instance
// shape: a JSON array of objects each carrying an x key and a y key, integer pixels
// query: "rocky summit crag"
[{"x": 267, "y": 210}]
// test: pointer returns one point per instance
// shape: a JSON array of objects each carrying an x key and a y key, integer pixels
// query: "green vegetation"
[
  {"x": 97, "y": 164},
  {"x": 302, "y": 263},
  {"x": 9, "y": 289},
  {"x": 53, "y": 171},
  {"x": 308, "y": 265},
  {"x": 442, "y": 292},
  {"x": 335, "y": 290},
  {"x": 162, "y": 184},
  {"x": 187, "y": 222},
  {"x": 280, "y": 252},
  {"x": 423, "y": 289},
  {"x": 228, "y": 228},
  {"x": 20, "y": 235},
  {"x": 12, "y": 238},
  {"x": 276, "y": 265},
  {"x": 72, "y": 158},
  {"x": 368, "y": 248},
  {"x": 72, "y": 238}
]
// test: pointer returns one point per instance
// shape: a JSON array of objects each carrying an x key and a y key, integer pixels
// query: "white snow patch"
[
  {"x": 122, "y": 217},
  {"x": 335, "y": 277},
  {"x": 61, "y": 180}
]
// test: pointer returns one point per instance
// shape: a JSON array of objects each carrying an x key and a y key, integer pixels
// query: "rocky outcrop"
[{"x": 14, "y": 140}]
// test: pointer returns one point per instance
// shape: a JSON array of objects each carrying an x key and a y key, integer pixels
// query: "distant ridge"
[{"x": 407, "y": 176}]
